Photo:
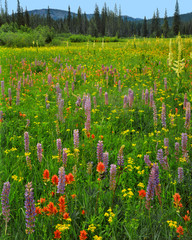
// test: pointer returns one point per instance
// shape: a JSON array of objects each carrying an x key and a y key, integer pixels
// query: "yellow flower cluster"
[
  {"x": 91, "y": 228},
  {"x": 97, "y": 237},
  {"x": 16, "y": 178},
  {"x": 172, "y": 224},
  {"x": 109, "y": 214},
  {"x": 62, "y": 227},
  {"x": 10, "y": 150},
  {"x": 128, "y": 193}
]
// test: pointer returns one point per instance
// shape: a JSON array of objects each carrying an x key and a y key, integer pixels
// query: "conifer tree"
[
  {"x": 165, "y": 25},
  {"x": 176, "y": 19}
]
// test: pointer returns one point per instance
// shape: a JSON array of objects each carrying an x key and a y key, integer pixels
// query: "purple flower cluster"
[
  {"x": 146, "y": 96},
  {"x": 180, "y": 174},
  {"x": 29, "y": 208},
  {"x": 61, "y": 183},
  {"x": 177, "y": 150},
  {"x": 100, "y": 151},
  {"x": 188, "y": 115},
  {"x": 39, "y": 152},
  {"x": 153, "y": 185},
  {"x": 147, "y": 161},
  {"x": 120, "y": 157},
  {"x": 154, "y": 114},
  {"x": 65, "y": 156},
  {"x": 112, "y": 177},
  {"x": 106, "y": 98},
  {"x": 59, "y": 146},
  {"x": 105, "y": 160},
  {"x": 130, "y": 97},
  {"x": 163, "y": 115},
  {"x": 184, "y": 144},
  {"x": 76, "y": 138},
  {"x": 5, "y": 201},
  {"x": 26, "y": 141},
  {"x": 151, "y": 98},
  {"x": 49, "y": 79},
  {"x": 125, "y": 101},
  {"x": 88, "y": 113}
]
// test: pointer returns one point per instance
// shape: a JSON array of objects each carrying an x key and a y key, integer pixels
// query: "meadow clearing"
[{"x": 96, "y": 141}]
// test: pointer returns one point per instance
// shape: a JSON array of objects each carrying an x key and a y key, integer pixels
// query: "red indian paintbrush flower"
[
  {"x": 100, "y": 167},
  {"x": 142, "y": 193},
  {"x": 180, "y": 231},
  {"x": 46, "y": 174},
  {"x": 55, "y": 180},
  {"x": 83, "y": 235},
  {"x": 57, "y": 234}
]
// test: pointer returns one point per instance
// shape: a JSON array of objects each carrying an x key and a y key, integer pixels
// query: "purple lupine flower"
[
  {"x": 76, "y": 138},
  {"x": 95, "y": 102},
  {"x": 1, "y": 116},
  {"x": 119, "y": 85},
  {"x": 67, "y": 87},
  {"x": 165, "y": 83},
  {"x": 88, "y": 113},
  {"x": 78, "y": 102},
  {"x": 2, "y": 88},
  {"x": 5, "y": 201},
  {"x": 49, "y": 79},
  {"x": 100, "y": 91},
  {"x": 9, "y": 94},
  {"x": 39, "y": 152},
  {"x": 184, "y": 145},
  {"x": 180, "y": 174},
  {"x": 150, "y": 188},
  {"x": 166, "y": 165},
  {"x": 59, "y": 146},
  {"x": 177, "y": 150},
  {"x": 146, "y": 96},
  {"x": 72, "y": 86},
  {"x": 112, "y": 177},
  {"x": 61, "y": 183},
  {"x": 188, "y": 115},
  {"x": 100, "y": 151},
  {"x": 160, "y": 158},
  {"x": 166, "y": 144},
  {"x": 65, "y": 156},
  {"x": 106, "y": 98},
  {"x": 120, "y": 157},
  {"x": 151, "y": 98},
  {"x": 26, "y": 141},
  {"x": 147, "y": 161},
  {"x": 105, "y": 160},
  {"x": 185, "y": 100},
  {"x": 29, "y": 209},
  {"x": 130, "y": 97},
  {"x": 163, "y": 115},
  {"x": 125, "y": 101}
]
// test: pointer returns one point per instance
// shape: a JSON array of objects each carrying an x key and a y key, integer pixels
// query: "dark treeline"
[{"x": 103, "y": 23}]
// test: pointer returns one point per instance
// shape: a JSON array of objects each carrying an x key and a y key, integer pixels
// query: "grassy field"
[{"x": 96, "y": 141}]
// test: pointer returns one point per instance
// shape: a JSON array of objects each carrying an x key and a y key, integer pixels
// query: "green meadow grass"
[{"x": 138, "y": 64}]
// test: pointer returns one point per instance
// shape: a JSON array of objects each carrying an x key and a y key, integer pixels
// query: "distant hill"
[{"x": 61, "y": 14}]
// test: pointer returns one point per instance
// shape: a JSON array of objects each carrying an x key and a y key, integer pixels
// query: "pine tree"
[
  {"x": 6, "y": 12},
  {"x": 145, "y": 32},
  {"x": 176, "y": 19},
  {"x": 27, "y": 18},
  {"x": 165, "y": 25},
  {"x": 103, "y": 19},
  {"x": 97, "y": 18},
  {"x": 69, "y": 18},
  {"x": 19, "y": 15},
  {"x": 49, "y": 17},
  {"x": 79, "y": 20},
  {"x": 157, "y": 24}
]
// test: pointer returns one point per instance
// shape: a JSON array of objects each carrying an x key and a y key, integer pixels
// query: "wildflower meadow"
[{"x": 96, "y": 141}]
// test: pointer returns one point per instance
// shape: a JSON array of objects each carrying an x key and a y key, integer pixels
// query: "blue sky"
[{"x": 132, "y": 8}]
